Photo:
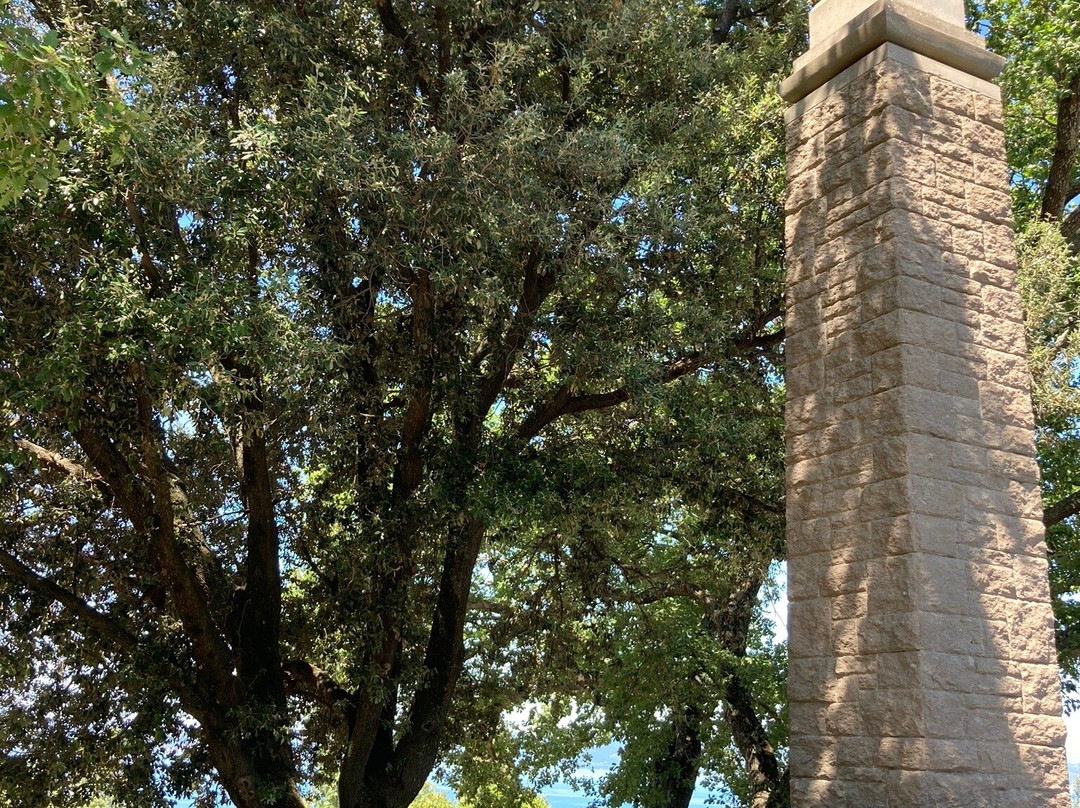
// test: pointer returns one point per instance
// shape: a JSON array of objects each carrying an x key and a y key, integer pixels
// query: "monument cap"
[
  {"x": 844, "y": 31},
  {"x": 829, "y": 16}
]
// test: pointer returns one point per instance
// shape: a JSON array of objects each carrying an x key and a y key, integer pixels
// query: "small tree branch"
[
  {"x": 102, "y": 624},
  {"x": 58, "y": 462},
  {"x": 562, "y": 402},
  {"x": 138, "y": 221},
  {"x": 1062, "y": 509}
]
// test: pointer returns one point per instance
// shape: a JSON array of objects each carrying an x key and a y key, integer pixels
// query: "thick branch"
[
  {"x": 654, "y": 594},
  {"x": 754, "y": 502},
  {"x": 393, "y": 25},
  {"x": 1070, "y": 227},
  {"x": 731, "y": 624},
  {"x": 563, "y": 403},
  {"x": 190, "y": 600},
  {"x": 417, "y": 419},
  {"x": 675, "y": 772},
  {"x": 367, "y": 740},
  {"x": 759, "y": 342},
  {"x": 103, "y": 625},
  {"x": 304, "y": 678},
  {"x": 724, "y": 21},
  {"x": 1062, "y": 510},
  {"x": 1066, "y": 146},
  {"x": 417, "y": 750},
  {"x": 256, "y": 613},
  {"x": 535, "y": 290},
  {"x": 70, "y": 468}
]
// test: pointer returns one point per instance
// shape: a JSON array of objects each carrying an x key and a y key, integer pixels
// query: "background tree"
[
  {"x": 637, "y": 631},
  {"x": 1041, "y": 88}
]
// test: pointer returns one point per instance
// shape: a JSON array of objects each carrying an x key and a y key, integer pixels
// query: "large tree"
[
  {"x": 306, "y": 307},
  {"x": 640, "y": 635},
  {"x": 1041, "y": 90}
]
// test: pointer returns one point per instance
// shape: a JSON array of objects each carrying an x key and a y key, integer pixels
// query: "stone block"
[
  {"x": 995, "y": 274},
  {"x": 805, "y": 503},
  {"x": 1001, "y": 335},
  {"x": 1028, "y": 633},
  {"x": 985, "y": 139},
  {"x": 999, "y": 247},
  {"x": 930, "y": 497},
  {"x": 907, "y": 89},
  {"x": 802, "y": 190},
  {"x": 1037, "y": 730},
  {"x": 992, "y": 205},
  {"x": 1041, "y": 689},
  {"x": 845, "y": 607},
  {"x": 952, "y": 633},
  {"x": 1007, "y": 405},
  {"x": 891, "y": 633},
  {"x": 949, "y": 97},
  {"x": 993, "y": 580},
  {"x": 1032, "y": 580},
  {"x": 944, "y": 586}
]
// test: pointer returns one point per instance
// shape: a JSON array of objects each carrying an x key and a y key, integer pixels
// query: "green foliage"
[
  {"x": 1050, "y": 288},
  {"x": 1041, "y": 40},
  {"x": 311, "y": 304},
  {"x": 57, "y": 94},
  {"x": 430, "y": 797}
]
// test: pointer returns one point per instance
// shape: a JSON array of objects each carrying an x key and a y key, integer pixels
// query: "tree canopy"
[
  {"x": 342, "y": 345},
  {"x": 376, "y": 374}
]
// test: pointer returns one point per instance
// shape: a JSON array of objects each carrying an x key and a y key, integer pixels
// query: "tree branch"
[
  {"x": 59, "y": 463},
  {"x": 563, "y": 402},
  {"x": 1070, "y": 227},
  {"x": 1062, "y": 509},
  {"x": 419, "y": 745},
  {"x": 256, "y": 612},
  {"x": 189, "y": 595},
  {"x": 393, "y": 25},
  {"x": 654, "y": 594},
  {"x": 1066, "y": 146},
  {"x": 536, "y": 287},
  {"x": 146, "y": 261},
  {"x": 305, "y": 678},
  {"x": 102, "y": 624},
  {"x": 724, "y": 21}
]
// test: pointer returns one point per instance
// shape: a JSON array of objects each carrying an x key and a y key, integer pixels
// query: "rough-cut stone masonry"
[{"x": 921, "y": 637}]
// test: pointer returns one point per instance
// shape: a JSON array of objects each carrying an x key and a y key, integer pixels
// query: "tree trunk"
[
  {"x": 731, "y": 624},
  {"x": 1066, "y": 145},
  {"x": 677, "y": 771}
]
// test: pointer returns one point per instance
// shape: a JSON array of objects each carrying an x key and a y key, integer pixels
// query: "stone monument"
[{"x": 922, "y": 666}]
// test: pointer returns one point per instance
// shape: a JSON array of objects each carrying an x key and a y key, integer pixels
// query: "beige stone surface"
[
  {"x": 922, "y": 670},
  {"x": 829, "y": 16}
]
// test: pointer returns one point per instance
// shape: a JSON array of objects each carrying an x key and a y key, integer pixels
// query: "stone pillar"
[{"x": 922, "y": 666}]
